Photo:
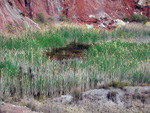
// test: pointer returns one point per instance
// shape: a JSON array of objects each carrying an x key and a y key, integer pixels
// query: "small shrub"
[
  {"x": 50, "y": 19},
  {"x": 23, "y": 26},
  {"x": 40, "y": 18},
  {"x": 23, "y": 14},
  {"x": 118, "y": 84},
  {"x": 138, "y": 18},
  {"x": 62, "y": 17},
  {"x": 10, "y": 28},
  {"x": 76, "y": 94},
  {"x": 69, "y": 20},
  {"x": 135, "y": 17},
  {"x": 33, "y": 19},
  {"x": 125, "y": 18},
  {"x": 144, "y": 18}
]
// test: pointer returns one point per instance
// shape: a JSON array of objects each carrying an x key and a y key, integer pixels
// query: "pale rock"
[{"x": 67, "y": 99}]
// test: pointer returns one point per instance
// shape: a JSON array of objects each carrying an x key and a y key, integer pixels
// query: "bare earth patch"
[{"x": 10, "y": 108}]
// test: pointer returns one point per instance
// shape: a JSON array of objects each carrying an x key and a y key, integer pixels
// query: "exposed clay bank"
[{"x": 16, "y": 12}]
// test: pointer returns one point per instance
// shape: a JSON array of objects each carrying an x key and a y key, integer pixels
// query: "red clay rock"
[
  {"x": 76, "y": 10},
  {"x": 10, "y": 15}
]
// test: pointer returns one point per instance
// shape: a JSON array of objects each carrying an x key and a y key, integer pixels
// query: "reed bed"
[{"x": 26, "y": 71}]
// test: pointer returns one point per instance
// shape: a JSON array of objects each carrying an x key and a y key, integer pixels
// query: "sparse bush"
[
  {"x": 23, "y": 26},
  {"x": 125, "y": 18},
  {"x": 69, "y": 20},
  {"x": 50, "y": 19},
  {"x": 139, "y": 18},
  {"x": 40, "y": 18},
  {"x": 62, "y": 17},
  {"x": 76, "y": 94},
  {"x": 23, "y": 14},
  {"x": 118, "y": 84},
  {"x": 10, "y": 28},
  {"x": 144, "y": 18}
]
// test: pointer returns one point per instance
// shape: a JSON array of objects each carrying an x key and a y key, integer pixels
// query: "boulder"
[
  {"x": 104, "y": 96},
  {"x": 67, "y": 99},
  {"x": 144, "y": 3},
  {"x": 89, "y": 26},
  {"x": 119, "y": 23}
]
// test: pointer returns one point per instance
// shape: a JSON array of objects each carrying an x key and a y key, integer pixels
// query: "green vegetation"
[
  {"x": 40, "y": 18},
  {"x": 139, "y": 18},
  {"x": 25, "y": 69},
  {"x": 136, "y": 18},
  {"x": 125, "y": 18},
  {"x": 10, "y": 28},
  {"x": 50, "y": 19},
  {"x": 62, "y": 17}
]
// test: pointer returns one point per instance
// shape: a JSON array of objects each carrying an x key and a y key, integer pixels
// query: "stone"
[
  {"x": 89, "y": 26},
  {"x": 67, "y": 99},
  {"x": 144, "y": 3},
  {"x": 120, "y": 23},
  {"x": 102, "y": 25}
]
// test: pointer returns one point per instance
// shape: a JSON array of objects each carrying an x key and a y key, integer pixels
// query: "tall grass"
[{"x": 25, "y": 70}]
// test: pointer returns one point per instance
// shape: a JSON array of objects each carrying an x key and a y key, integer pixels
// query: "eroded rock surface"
[
  {"x": 17, "y": 12},
  {"x": 10, "y": 16}
]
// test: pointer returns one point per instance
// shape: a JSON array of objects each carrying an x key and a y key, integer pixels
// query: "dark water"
[{"x": 72, "y": 50}]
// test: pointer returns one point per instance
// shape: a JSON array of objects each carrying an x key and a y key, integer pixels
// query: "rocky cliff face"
[
  {"x": 47, "y": 7},
  {"x": 16, "y": 12},
  {"x": 10, "y": 15}
]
